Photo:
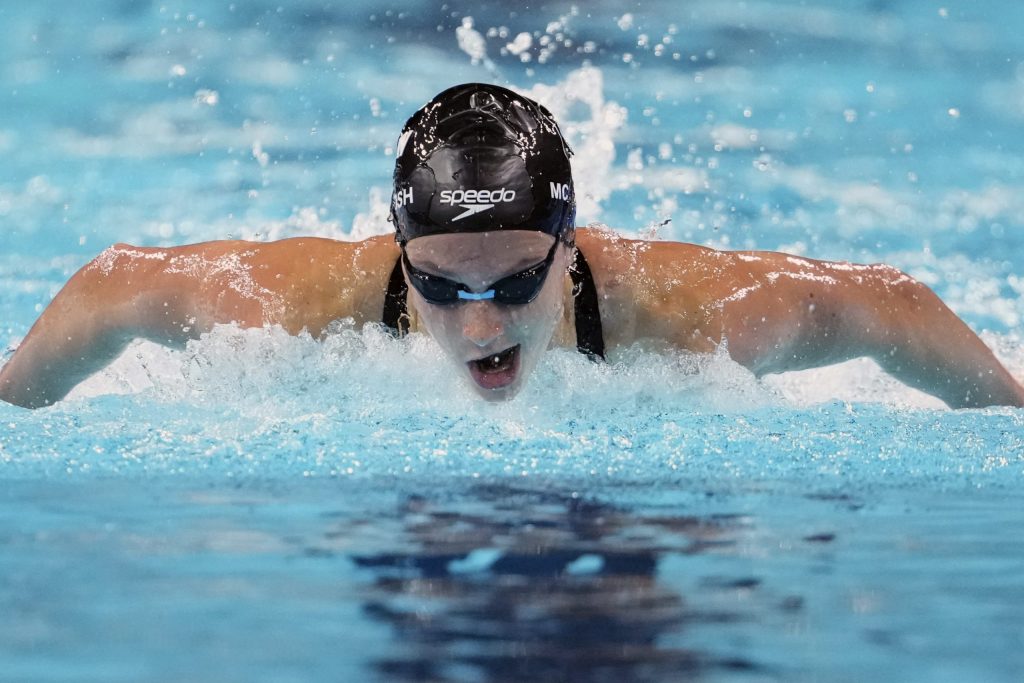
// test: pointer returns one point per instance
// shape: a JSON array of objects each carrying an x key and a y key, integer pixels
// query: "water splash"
[
  {"x": 368, "y": 373},
  {"x": 591, "y": 125}
]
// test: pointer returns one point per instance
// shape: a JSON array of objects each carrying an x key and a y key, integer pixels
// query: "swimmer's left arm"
[{"x": 801, "y": 313}]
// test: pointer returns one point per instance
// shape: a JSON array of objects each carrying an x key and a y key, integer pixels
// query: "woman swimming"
[{"x": 488, "y": 261}]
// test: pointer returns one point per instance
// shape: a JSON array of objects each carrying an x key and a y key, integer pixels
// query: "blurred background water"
[{"x": 262, "y": 507}]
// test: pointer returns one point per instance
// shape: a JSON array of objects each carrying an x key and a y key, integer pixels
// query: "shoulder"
[
  {"x": 649, "y": 268},
  {"x": 649, "y": 264},
  {"x": 295, "y": 252},
  {"x": 603, "y": 245},
  {"x": 321, "y": 280},
  {"x": 678, "y": 292},
  {"x": 299, "y": 283},
  {"x": 660, "y": 267},
  {"x": 652, "y": 289},
  {"x": 316, "y": 260},
  {"x": 690, "y": 295}
]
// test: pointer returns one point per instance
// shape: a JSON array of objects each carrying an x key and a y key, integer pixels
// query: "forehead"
[{"x": 486, "y": 252}]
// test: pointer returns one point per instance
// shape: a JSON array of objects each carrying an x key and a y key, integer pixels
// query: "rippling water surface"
[{"x": 266, "y": 507}]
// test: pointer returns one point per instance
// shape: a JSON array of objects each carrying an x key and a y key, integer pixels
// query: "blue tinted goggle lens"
[{"x": 518, "y": 288}]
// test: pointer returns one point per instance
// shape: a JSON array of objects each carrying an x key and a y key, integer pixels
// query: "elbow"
[
  {"x": 906, "y": 294},
  {"x": 19, "y": 390},
  {"x": 105, "y": 266},
  {"x": 892, "y": 312},
  {"x": 26, "y": 400}
]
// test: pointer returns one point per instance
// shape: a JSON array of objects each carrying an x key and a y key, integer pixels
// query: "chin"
[{"x": 497, "y": 395}]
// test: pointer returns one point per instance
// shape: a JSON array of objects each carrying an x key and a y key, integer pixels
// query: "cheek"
[
  {"x": 438, "y": 321},
  {"x": 540, "y": 317}
]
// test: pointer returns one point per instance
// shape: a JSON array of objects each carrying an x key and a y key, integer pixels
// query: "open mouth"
[{"x": 497, "y": 370}]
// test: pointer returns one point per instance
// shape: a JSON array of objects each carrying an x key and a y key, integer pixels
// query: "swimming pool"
[{"x": 264, "y": 507}]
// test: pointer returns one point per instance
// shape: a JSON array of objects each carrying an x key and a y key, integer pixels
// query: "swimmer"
[{"x": 486, "y": 259}]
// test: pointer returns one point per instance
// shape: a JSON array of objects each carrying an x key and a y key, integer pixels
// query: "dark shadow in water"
[{"x": 509, "y": 584}]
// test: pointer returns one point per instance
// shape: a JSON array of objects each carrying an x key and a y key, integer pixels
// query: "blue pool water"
[{"x": 266, "y": 507}]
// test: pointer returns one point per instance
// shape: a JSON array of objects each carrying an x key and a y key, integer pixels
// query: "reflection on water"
[{"x": 540, "y": 586}]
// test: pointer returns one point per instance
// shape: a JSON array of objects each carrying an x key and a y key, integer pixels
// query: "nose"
[{"x": 482, "y": 323}]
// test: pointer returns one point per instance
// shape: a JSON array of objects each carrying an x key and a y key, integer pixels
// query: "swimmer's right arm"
[
  {"x": 109, "y": 302},
  {"x": 170, "y": 296}
]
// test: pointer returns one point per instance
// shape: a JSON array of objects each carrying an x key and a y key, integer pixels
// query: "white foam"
[
  {"x": 520, "y": 44},
  {"x": 267, "y": 367},
  {"x": 592, "y": 137},
  {"x": 373, "y": 221},
  {"x": 856, "y": 381},
  {"x": 472, "y": 43},
  {"x": 370, "y": 375}
]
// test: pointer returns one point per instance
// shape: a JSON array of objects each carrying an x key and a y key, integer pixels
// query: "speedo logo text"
[
  {"x": 475, "y": 201},
  {"x": 477, "y": 196}
]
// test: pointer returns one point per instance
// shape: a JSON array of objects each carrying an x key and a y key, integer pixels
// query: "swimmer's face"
[{"x": 495, "y": 345}]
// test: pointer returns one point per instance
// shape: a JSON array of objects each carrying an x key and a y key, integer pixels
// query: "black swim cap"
[{"x": 479, "y": 157}]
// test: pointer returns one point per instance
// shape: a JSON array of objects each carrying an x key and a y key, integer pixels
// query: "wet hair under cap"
[{"x": 480, "y": 157}]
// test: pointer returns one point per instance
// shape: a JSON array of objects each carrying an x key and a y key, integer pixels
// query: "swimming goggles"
[{"x": 518, "y": 288}]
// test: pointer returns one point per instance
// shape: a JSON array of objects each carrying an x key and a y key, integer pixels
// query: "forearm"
[
  {"x": 85, "y": 327},
  {"x": 916, "y": 338},
  {"x": 933, "y": 350},
  {"x": 813, "y": 313},
  {"x": 43, "y": 371},
  {"x": 973, "y": 380}
]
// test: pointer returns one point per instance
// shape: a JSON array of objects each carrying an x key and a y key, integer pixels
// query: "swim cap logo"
[
  {"x": 560, "y": 191},
  {"x": 475, "y": 201}
]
